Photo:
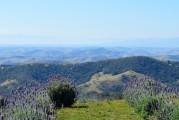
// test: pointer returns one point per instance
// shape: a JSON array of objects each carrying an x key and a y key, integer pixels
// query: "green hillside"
[
  {"x": 165, "y": 72},
  {"x": 101, "y": 83}
]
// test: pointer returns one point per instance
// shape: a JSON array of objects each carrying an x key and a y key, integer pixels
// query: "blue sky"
[{"x": 87, "y": 21}]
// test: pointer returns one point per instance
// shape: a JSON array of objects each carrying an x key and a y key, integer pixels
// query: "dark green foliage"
[
  {"x": 151, "y": 106},
  {"x": 175, "y": 115},
  {"x": 62, "y": 92},
  {"x": 147, "y": 106},
  {"x": 152, "y": 99},
  {"x": 166, "y": 112},
  {"x": 159, "y": 70},
  {"x": 81, "y": 73}
]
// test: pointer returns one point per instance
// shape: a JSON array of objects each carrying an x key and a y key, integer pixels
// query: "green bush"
[
  {"x": 165, "y": 112},
  {"x": 147, "y": 107},
  {"x": 62, "y": 92},
  {"x": 175, "y": 114}
]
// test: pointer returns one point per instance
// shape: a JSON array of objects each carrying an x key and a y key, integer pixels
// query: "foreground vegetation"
[
  {"x": 152, "y": 100},
  {"x": 38, "y": 102},
  {"x": 27, "y": 102},
  {"x": 94, "y": 110}
]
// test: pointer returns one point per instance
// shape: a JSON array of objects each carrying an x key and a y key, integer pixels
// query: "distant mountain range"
[
  {"x": 63, "y": 55},
  {"x": 40, "y": 40}
]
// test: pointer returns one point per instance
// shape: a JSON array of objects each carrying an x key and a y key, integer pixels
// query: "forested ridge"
[{"x": 163, "y": 71}]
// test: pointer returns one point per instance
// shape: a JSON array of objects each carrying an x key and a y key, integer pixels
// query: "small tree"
[{"x": 61, "y": 91}]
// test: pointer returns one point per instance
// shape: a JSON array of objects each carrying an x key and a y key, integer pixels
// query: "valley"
[
  {"x": 104, "y": 82},
  {"x": 89, "y": 60},
  {"x": 18, "y": 55}
]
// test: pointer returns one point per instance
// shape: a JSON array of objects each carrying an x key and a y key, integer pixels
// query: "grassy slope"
[
  {"x": 100, "y": 82},
  {"x": 106, "y": 110}
]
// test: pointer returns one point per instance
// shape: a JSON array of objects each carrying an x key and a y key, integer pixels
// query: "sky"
[{"x": 95, "y": 22}]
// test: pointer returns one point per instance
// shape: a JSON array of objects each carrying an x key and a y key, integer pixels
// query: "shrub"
[
  {"x": 175, "y": 114},
  {"x": 151, "y": 106},
  {"x": 147, "y": 106},
  {"x": 61, "y": 91},
  {"x": 165, "y": 112}
]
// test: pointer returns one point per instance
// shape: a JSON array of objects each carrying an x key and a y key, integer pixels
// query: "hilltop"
[{"x": 101, "y": 83}]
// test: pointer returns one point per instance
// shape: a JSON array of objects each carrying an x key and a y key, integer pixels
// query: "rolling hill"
[
  {"x": 162, "y": 71},
  {"x": 101, "y": 83}
]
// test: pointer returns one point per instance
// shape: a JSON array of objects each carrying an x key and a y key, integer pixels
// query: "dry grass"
[{"x": 101, "y": 81}]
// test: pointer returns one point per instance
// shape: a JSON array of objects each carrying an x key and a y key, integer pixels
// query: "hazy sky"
[{"x": 87, "y": 21}]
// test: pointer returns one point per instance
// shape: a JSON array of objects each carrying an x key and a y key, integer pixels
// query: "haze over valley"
[
  {"x": 89, "y": 60},
  {"x": 65, "y": 55}
]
